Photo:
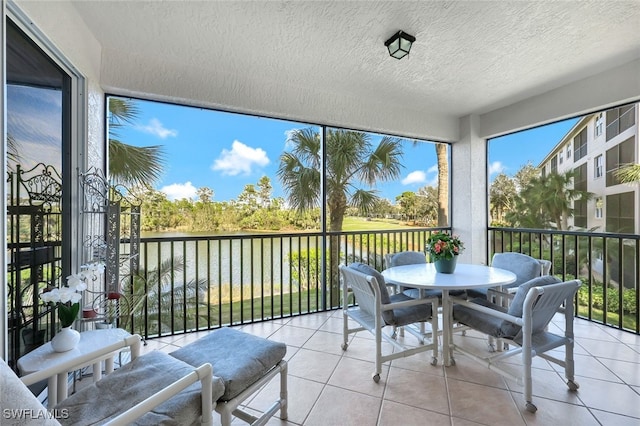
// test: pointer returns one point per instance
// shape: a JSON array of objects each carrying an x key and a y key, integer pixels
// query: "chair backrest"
[
  {"x": 404, "y": 258},
  {"x": 525, "y": 267},
  {"x": 545, "y": 266},
  {"x": 367, "y": 285},
  {"x": 546, "y": 301},
  {"x": 516, "y": 308}
]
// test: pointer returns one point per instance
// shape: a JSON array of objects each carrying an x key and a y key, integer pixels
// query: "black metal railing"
[
  {"x": 608, "y": 265},
  {"x": 204, "y": 282}
]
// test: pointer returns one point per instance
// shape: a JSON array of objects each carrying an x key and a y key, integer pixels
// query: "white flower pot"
[
  {"x": 65, "y": 340},
  {"x": 103, "y": 325}
]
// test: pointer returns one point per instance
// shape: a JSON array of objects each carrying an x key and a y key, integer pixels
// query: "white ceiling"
[{"x": 325, "y": 62}]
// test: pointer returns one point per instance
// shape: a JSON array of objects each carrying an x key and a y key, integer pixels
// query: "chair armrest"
[
  {"x": 204, "y": 374},
  {"x": 132, "y": 342},
  {"x": 407, "y": 303},
  {"x": 491, "y": 312}
]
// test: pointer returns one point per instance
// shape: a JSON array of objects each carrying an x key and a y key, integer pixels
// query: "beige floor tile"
[
  {"x": 469, "y": 370},
  {"x": 262, "y": 329},
  {"x": 420, "y": 362},
  {"x": 313, "y": 321},
  {"x": 313, "y": 365},
  {"x": 326, "y": 342},
  {"x": 483, "y": 404},
  {"x": 333, "y": 325},
  {"x": 394, "y": 414},
  {"x": 611, "y": 397},
  {"x": 551, "y": 412},
  {"x": 457, "y": 421},
  {"x": 611, "y": 350},
  {"x": 611, "y": 419},
  {"x": 595, "y": 368},
  {"x": 547, "y": 384},
  {"x": 341, "y": 407},
  {"x": 365, "y": 349},
  {"x": 627, "y": 372},
  {"x": 420, "y": 390},
  {"x": 302, "y": 395},
  {"x": 357, "y": 375},
  {"x": 294, "y": 336},
  {"x": 328, "y": 386}
]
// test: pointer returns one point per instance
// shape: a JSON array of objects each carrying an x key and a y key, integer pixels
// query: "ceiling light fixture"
[{"x": 399, "y": 44}]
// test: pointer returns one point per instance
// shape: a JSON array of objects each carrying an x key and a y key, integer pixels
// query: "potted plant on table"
[
  {"x": 443, "y": 250},
  {"x": 67, "y": 300}
]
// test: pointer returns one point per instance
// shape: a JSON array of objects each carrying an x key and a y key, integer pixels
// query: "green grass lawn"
[{"x": 352, "y": 223}]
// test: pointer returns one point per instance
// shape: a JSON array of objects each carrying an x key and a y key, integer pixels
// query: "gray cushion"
[
  {"x": 133, "y": 383},
  {"x": 14, "y": 395},
  {"x": 525, "y": 267},
  {"x": 410, "y": 314},
  {"x": 407, "y": 258},
  {"x": 388, "y": 316},
  {"x": 516, "y": 306},
  {"x": 479, "y": 320},
  {"x": 238, "y": 358},
  {"x": 368, "y": 270},
  {"x": 495, "y": 326}
]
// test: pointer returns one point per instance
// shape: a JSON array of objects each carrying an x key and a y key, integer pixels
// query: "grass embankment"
[{"x": 353, "y": 223}]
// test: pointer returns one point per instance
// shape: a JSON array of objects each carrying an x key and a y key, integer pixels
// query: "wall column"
[{"x": 469, "y": 190}]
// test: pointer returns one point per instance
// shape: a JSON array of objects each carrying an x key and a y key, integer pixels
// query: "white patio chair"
[
  {"x": 377, "y": 309},
  {"x": 524, "y": 324}
]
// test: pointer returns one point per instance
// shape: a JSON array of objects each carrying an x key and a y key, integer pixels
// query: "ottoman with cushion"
[
  {"x": 245, "y": 363},
  {"x": 132, "y": 384}
]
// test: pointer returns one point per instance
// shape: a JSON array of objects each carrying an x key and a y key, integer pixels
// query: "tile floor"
[{"x": 330, "y": 387}]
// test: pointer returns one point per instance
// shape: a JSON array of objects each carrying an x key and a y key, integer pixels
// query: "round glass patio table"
[{"x": 424, "y": 276}]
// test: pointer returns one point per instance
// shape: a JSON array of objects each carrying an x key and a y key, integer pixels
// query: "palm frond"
[
  {"x": 364, "y": 200},
  {"x": 628, "y": 173},
  {"x": 384, "y": 163},
  {"x": 133, "y": 165}
]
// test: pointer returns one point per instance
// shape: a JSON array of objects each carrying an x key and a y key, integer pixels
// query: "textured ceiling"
[{"x": 469, "y": 57}]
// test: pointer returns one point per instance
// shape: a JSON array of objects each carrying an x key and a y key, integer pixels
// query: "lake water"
[{"x": 237, "y": 259}]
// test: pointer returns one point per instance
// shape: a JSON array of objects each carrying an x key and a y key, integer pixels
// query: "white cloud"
[
  {"x": 417, "y": 176},
  {"x": 240, "y": 159},
  {"x": 156, "y": 128},
  {"x": 496, "y": 167},
  {"x": 433, "y": 169},
  {"x": 178, "y": 191}
]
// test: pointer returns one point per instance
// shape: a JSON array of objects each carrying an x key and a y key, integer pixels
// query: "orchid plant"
[{"x": 67, "y": 299}]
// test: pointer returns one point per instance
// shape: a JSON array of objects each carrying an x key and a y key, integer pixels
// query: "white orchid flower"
[
  {"x": 74, "y": 280},
  {"x": 75, "y": 297},
  {"x": 66, "y": 294},
  {"x": 80, "y": 286},
  {"x": 52, "y": 296}
]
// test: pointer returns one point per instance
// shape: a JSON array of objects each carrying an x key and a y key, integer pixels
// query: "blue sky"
[{"x": 225, "y": 151}]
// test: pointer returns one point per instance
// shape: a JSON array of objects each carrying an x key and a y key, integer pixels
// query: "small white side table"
[{"x": 90, "y": 341}]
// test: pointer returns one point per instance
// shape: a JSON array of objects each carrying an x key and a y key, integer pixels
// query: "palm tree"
[
  {"x": 548, "y": 199},
  {"x": 351, "y": 162},
  {"x": 154, "y": 289},
  {"x": 130, "y": 165},
  {"x": 443, "y": 184},
  {"x": 629, "y": 173}
]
